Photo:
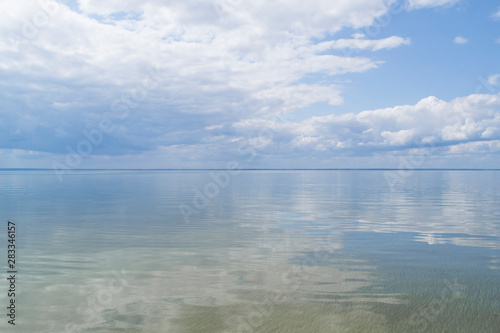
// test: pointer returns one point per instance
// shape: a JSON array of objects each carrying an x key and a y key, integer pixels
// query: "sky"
[{"x": 264, "y": 84}]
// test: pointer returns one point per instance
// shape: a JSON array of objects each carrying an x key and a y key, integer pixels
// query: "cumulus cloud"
[
  {"x": 213, "y": 61},
  {"x": 460, "y": 40},
  {"x": 221, "y": 71},
  {"x": 428, "y": 124}
]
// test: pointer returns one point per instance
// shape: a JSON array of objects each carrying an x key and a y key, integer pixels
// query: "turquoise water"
[{"x": 263, "y": 251}]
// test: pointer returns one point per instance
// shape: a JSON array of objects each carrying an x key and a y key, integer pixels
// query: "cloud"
[
  {"x": 496, "y": 16},
  {"x": 215, "y": 62},
  {"x": 416, "y": 4},
  {"x": 366, "y": 44},
  {"x": 460, "y": 40},
  {"x": 430, "y": 123},
  {"x": 358, "y": 35},
  {"x": 223, "y": 70},
  {"x": 493, "y": 79}
]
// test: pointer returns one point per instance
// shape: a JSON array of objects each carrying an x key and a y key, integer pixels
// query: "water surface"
[{"x": 264, "y": 251}]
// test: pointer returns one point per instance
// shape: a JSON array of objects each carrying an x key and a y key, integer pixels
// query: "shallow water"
[{"x": 270, "y": 251}]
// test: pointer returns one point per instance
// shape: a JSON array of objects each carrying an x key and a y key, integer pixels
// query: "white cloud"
[
  {"x": 229, "y": 58},
  {"x": 224, "y": 69},
  {"x": 460, "y": 40},
  {"x": 415, "y": 4},
  {"x": 430, "y": 123},
  {"x": 358, "y": 35},
  {"x": 247, "y": 48},
  {"x": 367, "y": 44},
  {"x": 476, "y": 147},
  {"x": 299, "y": 96},
  {"x": 493, "y": 79}
]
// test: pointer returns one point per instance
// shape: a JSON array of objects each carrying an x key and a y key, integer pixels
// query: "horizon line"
[{"x": 257, "y": 169}]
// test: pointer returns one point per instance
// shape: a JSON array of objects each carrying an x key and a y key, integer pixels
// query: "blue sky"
[{"x": 269, "y": 84}]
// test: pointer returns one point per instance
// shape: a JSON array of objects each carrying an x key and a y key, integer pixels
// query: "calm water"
[{"x": 270, "y": 251}]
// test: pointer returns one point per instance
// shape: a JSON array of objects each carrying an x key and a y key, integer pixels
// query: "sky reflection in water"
[{"x": 274, "y": 251}]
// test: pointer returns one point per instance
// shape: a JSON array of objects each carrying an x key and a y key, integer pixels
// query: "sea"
[{"x": 231, "y": 250}]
